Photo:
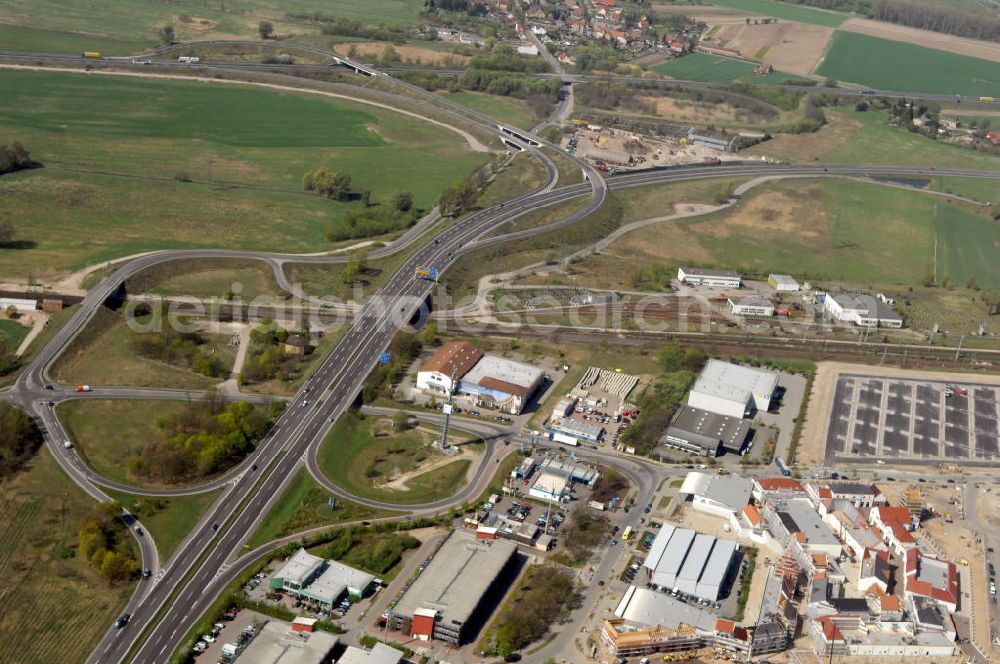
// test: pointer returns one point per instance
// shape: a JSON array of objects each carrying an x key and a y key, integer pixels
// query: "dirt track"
[{"x": 935, "y": 40}]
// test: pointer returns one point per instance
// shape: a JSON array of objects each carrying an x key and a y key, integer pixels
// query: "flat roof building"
[
  {"x": 379, "y": 654},
  {"x": 732, "y": 390},
  {"x": 323, "y": 581},
  {"x": 700, "y": 277},
  {"x": 575, "y": 429},
  {"x": 704, "y": 432},
  {"x": 783, "y": 283},
  {"x": 647, "y": 607},
  {"x": 721, "y": 495},
  {"x": 276, "y": 643},
  {"x": 501, "y": 383},
  {"x": 751, "y": 306},
  {"x": 457, "y": 590},
  {"x": 549, "y": 486}
]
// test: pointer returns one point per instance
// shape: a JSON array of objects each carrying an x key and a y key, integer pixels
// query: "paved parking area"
[{"x": 901, "y": 419}]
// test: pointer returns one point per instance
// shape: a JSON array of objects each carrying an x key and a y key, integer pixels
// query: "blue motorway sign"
[{"x": 383, "y": 358}]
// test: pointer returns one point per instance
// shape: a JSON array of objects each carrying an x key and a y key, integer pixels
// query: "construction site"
[{"x": 615, "y": 150}]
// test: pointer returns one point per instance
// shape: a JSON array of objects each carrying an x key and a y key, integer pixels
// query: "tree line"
[
  {"x": 678, "y": 367},
  {"x": 949, "y": 18},
  {"x": 103, "y": 540},
  {"x": 20, "y": 438},
  {"x": 205, "y": 438}
]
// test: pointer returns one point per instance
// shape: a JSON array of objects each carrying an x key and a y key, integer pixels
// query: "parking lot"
[{"x": 896, "y": 419}]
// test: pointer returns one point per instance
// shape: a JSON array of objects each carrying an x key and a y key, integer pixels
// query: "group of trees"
[
  {"x": 205, "y": 438},
  {"x": 15, "y": 157},
  {"x": 20, "y": 438},
  {"x": 678, "y": 367},
  {"x": 360, "y": 547},
  {"x": 366, "y": 220},
  {"x": 103, "y": 541},
  {"x": 266, "y": 358},
  {"x": 330, "y": 184},
  {"x": 180, "y": 348},
  {"x": 350, "y": 28},
  {"x": 462, "y": 194},
  {"x": 403, "y": 349},
  {"x": 545, "y": 596}
]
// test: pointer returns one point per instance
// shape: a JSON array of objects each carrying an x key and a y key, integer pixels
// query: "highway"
[
  {"x": 164, "y": 608},
  {"x": 154, "y": 56},
  {"x": 163, "y": 612}
]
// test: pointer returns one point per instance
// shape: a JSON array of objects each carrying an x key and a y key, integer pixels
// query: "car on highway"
[
  {"x": 49, "y": 386},
  {"x": 253, "y": 466},
  {"x": 146, "y": 573},
  {"x": 122, "y": 620},
  {"x": 215, "y": 526}
]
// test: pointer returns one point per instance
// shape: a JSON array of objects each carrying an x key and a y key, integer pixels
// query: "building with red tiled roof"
[
  {"x": 932, "y": 578},
  {"x": 765, "y": 487},
  {"x": 436, "y": 373},
  {"x": 893, "y": 522}
]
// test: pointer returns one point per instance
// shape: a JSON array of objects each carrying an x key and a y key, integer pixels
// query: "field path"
[
  {"x": 936, "y": 40},
  {"x": 473, "y": 142}
]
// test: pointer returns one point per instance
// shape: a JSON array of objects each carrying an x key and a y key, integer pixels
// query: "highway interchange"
[{"x": 164, "y": 608}]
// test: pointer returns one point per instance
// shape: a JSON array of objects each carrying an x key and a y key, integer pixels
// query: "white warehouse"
[
  {"x": 733, "y": 390},
  {"x": 698, "y": 277},
  {"x": 693, "y": 563}
]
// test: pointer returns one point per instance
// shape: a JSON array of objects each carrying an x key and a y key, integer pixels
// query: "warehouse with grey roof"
[
  {"x": 704, "y": 432},
  {"x": 456, "y": 591}
]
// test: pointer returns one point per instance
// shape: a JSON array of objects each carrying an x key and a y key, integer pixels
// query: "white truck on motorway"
[{"x": 68, "y": 445}]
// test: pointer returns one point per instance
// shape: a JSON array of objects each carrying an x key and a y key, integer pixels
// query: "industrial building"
[
  {"x": 500, "y": 383},
  {"x": 452, "y": 359},
  {"x": 751, "y": 306},
  {"x": 647, "y": 607},
  {"x": 277, "y": 643},
  {"x": 719, "y": 495},
  {"x": 693, "y": 563},
  {"x": 379, "y": 654},
  {"x": 549, "y": 486},
  {"x": 693, "y": 276},
  {"x": 457, "y": 590},
  {"x": 863, "y": 310},
  {"x": 783, "y": 283},
  {"x": 322, "y": 581},
  {"x": 732, "y": 390},
  {"x": 573, "y": 431},
  {"x": 555, "y": 478},
  {"x": 705, "y": 433}
]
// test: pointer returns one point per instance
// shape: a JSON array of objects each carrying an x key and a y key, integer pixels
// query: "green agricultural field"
[
  {"x": 99, "y": 198},
  {"x": 107, "y": 431},
  {"x": 103, "y": 355},
  {"x": 123, "y": 28},
  {"x": 168, "y": 520},
  {"x": 42, "y": 574},
  {"x": 362, "y": 455},
  {"x": 12, "y": 333},
  {"x": 705, "y": 67},
  {"x": 786, "y": 11},
  {"x": 967, "y": 248},
  {"x": 304, "y": 505},
  {"x": 865, "y": 138},
  {"x": 506, "y": 109},
  {"x": 831, "y": 229},
  {"x": 892, "y": 65}
]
